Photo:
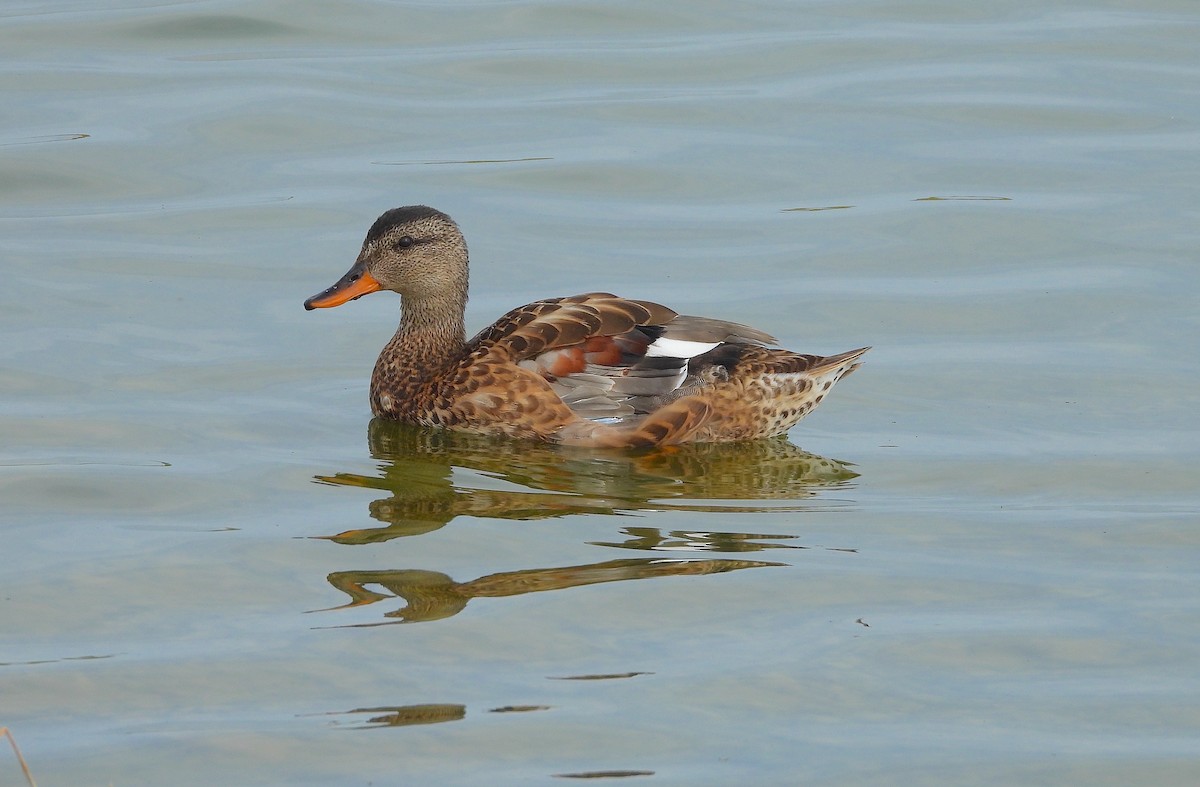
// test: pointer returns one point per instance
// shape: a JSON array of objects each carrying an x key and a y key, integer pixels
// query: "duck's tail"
[{"x": 838, "y": 365}]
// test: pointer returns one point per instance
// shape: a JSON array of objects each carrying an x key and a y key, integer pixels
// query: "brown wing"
[{"x": 528, "y": 331}]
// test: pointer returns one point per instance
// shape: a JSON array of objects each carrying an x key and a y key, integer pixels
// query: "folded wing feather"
[{"x": 608, "y": 357}]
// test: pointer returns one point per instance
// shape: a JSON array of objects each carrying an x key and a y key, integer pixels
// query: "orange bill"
[{"x": 355, "y": 284}]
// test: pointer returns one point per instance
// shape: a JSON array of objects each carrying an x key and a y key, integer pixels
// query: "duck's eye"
[{"x": 405, "y": 242}]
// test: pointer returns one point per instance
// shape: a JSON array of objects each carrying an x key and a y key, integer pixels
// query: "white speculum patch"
[{"x": 677, "y": 348}]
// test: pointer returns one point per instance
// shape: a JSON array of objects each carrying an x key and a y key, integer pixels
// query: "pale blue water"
[{"x": 983, "y": 570}]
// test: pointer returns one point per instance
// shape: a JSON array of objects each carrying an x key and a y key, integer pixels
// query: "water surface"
[{"x": 975, "y": 564}]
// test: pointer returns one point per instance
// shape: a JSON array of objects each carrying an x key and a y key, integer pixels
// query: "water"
[{"x": 974, "y": 564}]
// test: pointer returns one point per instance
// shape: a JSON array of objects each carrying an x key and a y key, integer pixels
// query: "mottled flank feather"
[{"x": 592, "y": 369}]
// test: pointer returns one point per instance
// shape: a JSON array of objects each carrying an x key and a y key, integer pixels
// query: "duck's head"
[{"x": 416, "y": 251}]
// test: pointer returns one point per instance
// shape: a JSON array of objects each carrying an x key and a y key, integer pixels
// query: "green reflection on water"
[{"x": 416, "y": 471}]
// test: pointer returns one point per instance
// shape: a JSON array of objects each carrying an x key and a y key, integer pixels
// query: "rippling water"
[{"x": 976, "y": 563}]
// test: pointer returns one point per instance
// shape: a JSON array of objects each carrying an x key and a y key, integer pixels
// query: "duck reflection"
[
  {"x": 404, "y": 715},
  {"x": 410, "y": 715},
  {"x": 433, "y": 596},
  {"x": 427, "y": 473},
  {"x": 432, "y": 477},
  {"x": 654, "y": 539}
]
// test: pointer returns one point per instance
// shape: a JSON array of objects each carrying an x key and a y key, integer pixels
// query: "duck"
[{"x": 592, "y": 370}]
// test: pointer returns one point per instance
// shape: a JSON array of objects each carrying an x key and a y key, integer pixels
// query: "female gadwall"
[{"x": 593, "y": 369}]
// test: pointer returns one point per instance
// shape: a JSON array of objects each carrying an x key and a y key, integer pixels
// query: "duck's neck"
[
  {"x": 429, "y": 341},
  {"x": 431, "y": 330}
]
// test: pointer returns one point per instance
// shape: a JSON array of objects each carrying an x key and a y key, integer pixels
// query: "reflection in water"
[
  {"x": 433, "y": 476},
  {"x": 519, "y": 708},
  {"x": 603, "y": 774},
  {"x": 417, "y": 470},
  {"x": 406, "y": 715},
  {"x": 432, "y": 595},
  {"x": 654, "y": 540},
  {"x": 607, "y": 676},
  {"x": 410, "y": 715}
]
